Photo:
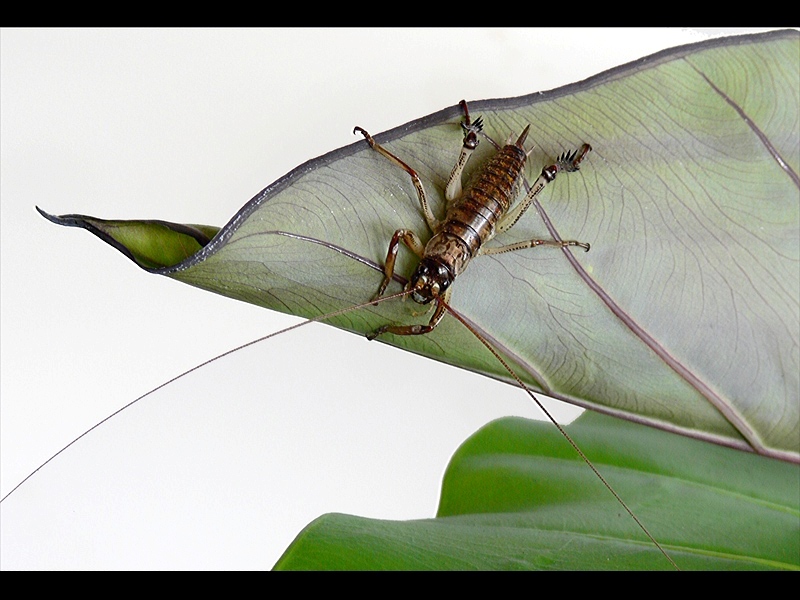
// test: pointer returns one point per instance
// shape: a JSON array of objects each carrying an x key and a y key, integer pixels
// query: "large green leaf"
[
  {"x": 685, "y": 313},
  {"x": 515, "y": 496}
]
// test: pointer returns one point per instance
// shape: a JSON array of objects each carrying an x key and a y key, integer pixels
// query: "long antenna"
[
  {"x": 336, "y": 313},
  {"x": 324, "y": 317},
  {"x": 513, "y": 373}
]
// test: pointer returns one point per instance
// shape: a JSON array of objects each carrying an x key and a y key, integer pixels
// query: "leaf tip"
[{"x": 47, "y": 215}]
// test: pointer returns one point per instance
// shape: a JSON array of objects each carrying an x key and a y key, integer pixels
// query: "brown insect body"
[{"x": 472, "y": 219}]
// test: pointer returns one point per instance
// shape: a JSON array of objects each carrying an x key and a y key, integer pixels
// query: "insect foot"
[
  {"x": 377, "y": 332},
  {"x": 570, "y": 162},
  {"x": 471, "y": 130},
  {"x": 366, "y": 135}
]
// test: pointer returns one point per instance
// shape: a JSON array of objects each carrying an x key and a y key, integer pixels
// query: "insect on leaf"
[{"x": 684, "y": 315}]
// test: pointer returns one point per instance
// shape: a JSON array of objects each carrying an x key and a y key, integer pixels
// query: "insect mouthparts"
[{"x": 430, "y": 280}]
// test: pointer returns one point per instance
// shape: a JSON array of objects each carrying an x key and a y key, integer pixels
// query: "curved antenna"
[
  {"x": 324, "y": 317},
  {"x": 519, "y": 381}
]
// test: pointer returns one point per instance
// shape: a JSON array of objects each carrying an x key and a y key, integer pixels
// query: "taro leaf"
[
  {"x": 515, "y": 496},
  {"x": 685, "y": 313}
]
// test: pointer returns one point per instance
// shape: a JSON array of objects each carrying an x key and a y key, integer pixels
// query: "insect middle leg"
[{"x": 432, "y": 221}]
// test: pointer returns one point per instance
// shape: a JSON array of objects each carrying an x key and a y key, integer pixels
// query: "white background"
[{"x": 223, "y": 469}]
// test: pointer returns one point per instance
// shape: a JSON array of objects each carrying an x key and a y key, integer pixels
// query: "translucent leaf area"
[{"x": 685, "y": 313}]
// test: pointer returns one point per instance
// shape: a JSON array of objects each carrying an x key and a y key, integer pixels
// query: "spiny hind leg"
[
  {"x": 453, "y": 188},
  {"x": 531, "y": 244},
  {"x": 412, "y": 241},
  {"x": 432, "y": 221},
  {"x": 567, "y": 162}
]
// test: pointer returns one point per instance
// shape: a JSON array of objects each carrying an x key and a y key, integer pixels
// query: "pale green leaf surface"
[
  {"x": 684, "y": 314},
  {"x": 516, "y": 496}
]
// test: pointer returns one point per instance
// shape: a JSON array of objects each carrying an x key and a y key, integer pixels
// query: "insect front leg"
[
  {"x": 412, "y": 241},
  {"x": 412, "y": 329},
  {"x": 432, "y": 221}
]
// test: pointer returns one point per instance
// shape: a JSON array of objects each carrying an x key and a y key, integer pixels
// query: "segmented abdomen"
[{"x": 471, "y": 219}]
